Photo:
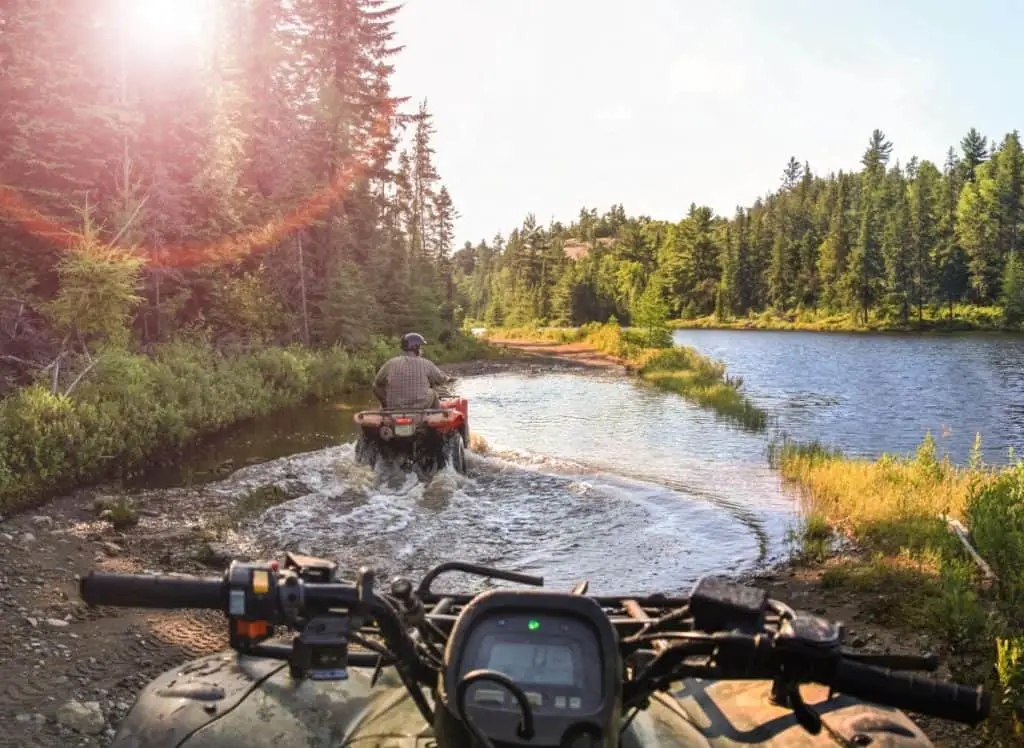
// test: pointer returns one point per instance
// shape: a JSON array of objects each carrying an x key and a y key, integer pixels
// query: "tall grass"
[
  {"x": 133, "y": 409},
  {"x": 536, "y": 334},
  {"x": 677, "y": 369},
  {"x": 918, "y": 574}
]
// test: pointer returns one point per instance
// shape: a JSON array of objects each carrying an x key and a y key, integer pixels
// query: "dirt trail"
[{"x": 579, "y": 353}]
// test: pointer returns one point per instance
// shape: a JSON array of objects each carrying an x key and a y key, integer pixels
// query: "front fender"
[
  {"x": 735, "y": 714},
  {"x": 227, "y": 701}
]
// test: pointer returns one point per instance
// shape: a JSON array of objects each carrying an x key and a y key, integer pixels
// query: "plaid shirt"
[{"x": 408, "y": 380}]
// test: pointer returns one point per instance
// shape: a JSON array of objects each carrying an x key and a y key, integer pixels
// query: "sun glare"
[{"x": 165, "y": 23}]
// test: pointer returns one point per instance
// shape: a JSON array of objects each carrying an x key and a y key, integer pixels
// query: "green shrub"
[{"x": 133, "y": 409}]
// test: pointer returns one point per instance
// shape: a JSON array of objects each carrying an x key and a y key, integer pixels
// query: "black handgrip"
[
  {"x": 915, "y": 693},
  {"x": 153, "y": 591}
]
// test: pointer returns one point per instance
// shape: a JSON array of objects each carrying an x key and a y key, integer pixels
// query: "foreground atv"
[
  {"x": 427, "y": 439},
  {"x": 412, "y": 668}
]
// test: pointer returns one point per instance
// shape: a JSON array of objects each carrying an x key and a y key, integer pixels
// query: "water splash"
[{"x": 523, "y": 512}]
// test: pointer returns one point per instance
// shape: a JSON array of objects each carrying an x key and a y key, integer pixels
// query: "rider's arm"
[
  {"x": 380, "y": 382},
  {"x": 435, "y": 376}
]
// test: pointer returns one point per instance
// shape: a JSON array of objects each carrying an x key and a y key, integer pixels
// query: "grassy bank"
[
  {"x": 965, "y": 318},
  {"x": 677, "y": 369},
  {"x": 133, "y": 409},
  {"x": 917, "y": 573}
]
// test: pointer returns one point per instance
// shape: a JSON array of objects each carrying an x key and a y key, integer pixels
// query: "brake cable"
[{"x": 525, "y": 728}]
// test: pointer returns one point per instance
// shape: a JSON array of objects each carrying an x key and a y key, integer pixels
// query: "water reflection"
[{"x": 870, "y": 394}]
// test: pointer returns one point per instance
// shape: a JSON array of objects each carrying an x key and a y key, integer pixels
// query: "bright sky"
[{"x": 549, "y": 105}]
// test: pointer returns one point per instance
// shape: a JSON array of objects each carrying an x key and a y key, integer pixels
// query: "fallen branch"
[
  {"x": 55, "y": 378},
  {"x": 78, "y": 379},
  {"x": 957, "y": 528},
  {"x": 131, "y": 220},
  {"x": 18, "y": 360}
]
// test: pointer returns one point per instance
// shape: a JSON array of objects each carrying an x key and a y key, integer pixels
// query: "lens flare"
[{"x": 154, "y": 24}]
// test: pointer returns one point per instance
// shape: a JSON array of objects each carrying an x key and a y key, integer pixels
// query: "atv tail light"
[{"x": 403, "y": 421}]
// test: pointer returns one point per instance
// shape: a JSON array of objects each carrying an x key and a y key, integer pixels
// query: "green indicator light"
[{"x": 533, "y": 625}]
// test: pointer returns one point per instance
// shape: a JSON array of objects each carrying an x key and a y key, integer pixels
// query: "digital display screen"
[{"x": 540, "y": 664}]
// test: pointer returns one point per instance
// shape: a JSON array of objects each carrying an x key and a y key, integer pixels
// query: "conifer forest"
[
  {"x": 903, "y": 242},
  {"x": 259, "y": 184}
]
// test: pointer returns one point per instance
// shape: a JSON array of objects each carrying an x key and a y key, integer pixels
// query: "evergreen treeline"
[
  {"x": 267, "y": 188},
  {"x": 892, "y": 241}
]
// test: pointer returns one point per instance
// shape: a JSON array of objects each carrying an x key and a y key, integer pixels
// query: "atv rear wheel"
[
  {"x": 366, "y": 452},
  {"x": 455, "y": 452}
]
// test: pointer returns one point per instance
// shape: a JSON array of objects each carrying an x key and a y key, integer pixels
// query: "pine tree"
[
  {"x": 876, "y": 157},
  {"x": 791, "y": 175},
  {"x": 1009, "y": 187},
  {"x": 424, "y": 176},
  {"x": 726, "y": 295},
  {"x": 975, "y": 150},
  {"x": 863, "y": 274},
  {"x": 924, "y": 208},
  {"x": 897, "y": 249},
  {"x": 780, "y": 279},
  {"x": 1013, "y": 290},
  {"x": 97, "y": 290},
  {"x": 746, "y": 285},
  {"x": 832, "y": 256},
  {"x": 651, "y": 315},
  {"x": 704, "y": 268},
  {"x": 976, "y": 231}
]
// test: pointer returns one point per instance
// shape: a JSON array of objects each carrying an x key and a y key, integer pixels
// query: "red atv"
[{"x": 427, "y": 439}]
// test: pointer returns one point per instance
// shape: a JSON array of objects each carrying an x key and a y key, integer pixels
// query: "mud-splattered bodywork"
[{"x": 226, "y": 701}]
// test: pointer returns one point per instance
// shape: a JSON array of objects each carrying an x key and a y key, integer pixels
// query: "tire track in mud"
[
  {"x": 116, "y": 661},
  {"x": 53, "y": 648}
]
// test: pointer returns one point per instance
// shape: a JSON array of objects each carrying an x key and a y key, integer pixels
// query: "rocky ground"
[{"x": 68, "y": 673}]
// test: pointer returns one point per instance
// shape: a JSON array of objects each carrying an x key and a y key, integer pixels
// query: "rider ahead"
[{"x": 407, "y": 381}]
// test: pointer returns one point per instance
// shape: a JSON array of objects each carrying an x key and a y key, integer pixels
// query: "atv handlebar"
[
  {"x": 154, "y": 591},
  {"x": 903, "y": 690},
  {"x": 737, "y": 655}
]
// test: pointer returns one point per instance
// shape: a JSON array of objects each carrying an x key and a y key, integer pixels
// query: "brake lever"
[
  {"x": 787, "y": 694},
  {"x": 378, "y": 670},
  {"x": 929, "y": 662}
]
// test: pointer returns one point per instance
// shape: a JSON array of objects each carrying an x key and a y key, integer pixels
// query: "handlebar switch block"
[
  {"x": 310, "y": 568},
  {"x": 720, "y": 604},
  {"x": 252, "y": 603}
]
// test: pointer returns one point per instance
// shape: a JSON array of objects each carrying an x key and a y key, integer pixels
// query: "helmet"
[{"x": 412, "y": 341}]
